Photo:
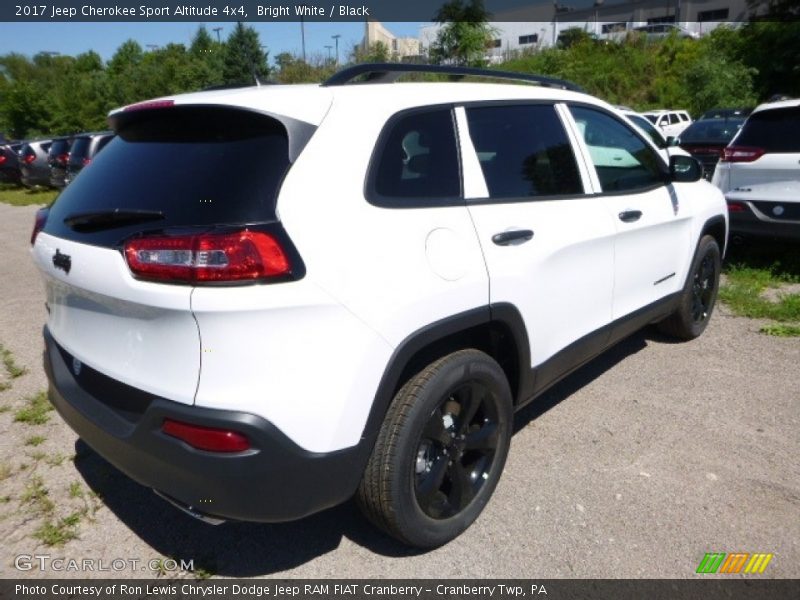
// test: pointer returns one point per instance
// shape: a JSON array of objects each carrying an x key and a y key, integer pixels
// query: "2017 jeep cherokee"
[{"x": 265, "y": 301}]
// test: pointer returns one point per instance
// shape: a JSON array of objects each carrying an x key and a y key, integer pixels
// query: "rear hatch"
[
  {"x": 767, "y": 148},
  {"x": 172, "y": 174}
]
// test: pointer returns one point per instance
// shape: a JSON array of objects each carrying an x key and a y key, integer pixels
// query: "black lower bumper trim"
[{"x": 275, "y": 480}]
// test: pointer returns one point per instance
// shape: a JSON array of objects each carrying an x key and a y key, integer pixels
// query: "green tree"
[
  {"x": 378, "y": 52},
  {"x": 464, "y": 35},
  {"x": 207, "y": 59},
  {"x": 244, "y": 59}
]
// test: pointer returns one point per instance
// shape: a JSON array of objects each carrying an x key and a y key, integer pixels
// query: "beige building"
[{"x": 375, "y": 32}]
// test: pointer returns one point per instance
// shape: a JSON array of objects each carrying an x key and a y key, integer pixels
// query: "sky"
[{"x": 75, "y": 37}]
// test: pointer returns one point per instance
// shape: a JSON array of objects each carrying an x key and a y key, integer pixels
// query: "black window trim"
[
  {"x": 394, "y": 202},
  {"x": 642, "y": 190},
  {"x": 517, "y": 199}
]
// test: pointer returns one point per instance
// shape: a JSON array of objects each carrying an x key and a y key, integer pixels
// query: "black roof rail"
[{"x": 391, "y": 72}]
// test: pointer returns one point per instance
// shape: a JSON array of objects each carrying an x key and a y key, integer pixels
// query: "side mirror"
[
  {"x": 684, "y": 169},
  {"x": 673, "y": 141}
]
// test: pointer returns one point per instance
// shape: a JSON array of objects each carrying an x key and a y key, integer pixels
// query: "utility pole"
[
  {"x": 329, "y": 52},
  {"x": 217, "y": 30},
  {"x": 303, "y": 34},
  {"x": 336, "y": 39}
]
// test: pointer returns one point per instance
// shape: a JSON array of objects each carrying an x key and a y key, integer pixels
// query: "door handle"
[
  {"x": 513, "y": 237},
  {"x": 629, "y": 216}
]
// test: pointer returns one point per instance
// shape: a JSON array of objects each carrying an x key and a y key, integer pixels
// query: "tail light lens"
[
  {"x": 29, "y": 158},
  {"x": 62, "y": 158},
  {"x": 2, "y": 158},
  {"x": 86, "y": 161},
  {"x": 206, "y": 438},
  {"x": 38, "y": 223},
  {"x": 741, "y": 154},
  {"x": 207, "y": 258},
  {"x": 736, "y": 207}
]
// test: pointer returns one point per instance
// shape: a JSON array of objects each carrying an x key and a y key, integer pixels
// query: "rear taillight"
[
  {"x": 736, "y": 207},
  {"x": 150, "y": 104},
  {"x": 38, "y": 223},
  {"x": 206, "y": 438},
  {"x": 741, "y": 154},
  {"x": 86, "y": 161},
  {"x": 207, "y": 258},
  {"x": 29, "y": 158},
  {"x": 2, "y": 158},
  {"x": 62, "y": 158}
]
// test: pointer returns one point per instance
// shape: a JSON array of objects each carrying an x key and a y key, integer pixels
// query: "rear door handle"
[
  {"x": 629, "y": 216},
  {"x": 513, "y": 237}
]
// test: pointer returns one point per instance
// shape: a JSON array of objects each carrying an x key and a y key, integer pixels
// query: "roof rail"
[{"x": 391, "y": 72}]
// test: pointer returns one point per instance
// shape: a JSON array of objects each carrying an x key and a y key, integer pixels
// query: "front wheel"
[
  {"x": 699, "y": 294},
  {"x": 440, "y": 451}
]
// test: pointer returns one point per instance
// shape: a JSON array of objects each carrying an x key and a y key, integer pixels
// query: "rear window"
[
  {"x": 197, "y": 166},
  {"x": 59, "y": 147},
  {"x": 775, "y": 130},
  {"x": 711, "y": 130},
  {"x": 79, "y": 150}
]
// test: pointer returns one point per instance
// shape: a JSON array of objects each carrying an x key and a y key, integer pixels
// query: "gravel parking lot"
[{"x": 635, "y": 466}]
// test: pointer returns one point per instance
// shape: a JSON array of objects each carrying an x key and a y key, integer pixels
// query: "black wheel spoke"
[
  {"x": 431, "y": 482},
  {"x": 482, "y": 439},
  {"x": 470, "y": 400},
  {"x": 462, "y": 488},
  {"x": 435, "y": 430}
]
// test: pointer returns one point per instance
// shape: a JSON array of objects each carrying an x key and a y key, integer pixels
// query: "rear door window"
[
  {"x": 197, "y": 166},
  {"x": 416, "y": 161},
  {"x": 776, "y": 130},
  {"x": 523, "y": 151}
]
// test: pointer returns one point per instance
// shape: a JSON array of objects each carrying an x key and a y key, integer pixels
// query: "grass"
[
  {"x": 35, "y": 440},
  {"x": 58, "y": 533},
  {"x": 753, "y": 269},
  {"x": 36, "y": 410},
  {"x": 5, "y": 471},
  {"x": 20, "y": 196},
  {"x": 10, "y": 365},
  {"x": 36, "y": 494},
  {"x": 75, "y": 490}
]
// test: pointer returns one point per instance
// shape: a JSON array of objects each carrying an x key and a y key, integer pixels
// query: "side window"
[
  {"x": 523, "y": 151},
  {"x": 673, "y": 118},
  {"x": 622, "y": 159},
  {"x": 418, "y": 160},
  {"x": 683, "y": 116}
]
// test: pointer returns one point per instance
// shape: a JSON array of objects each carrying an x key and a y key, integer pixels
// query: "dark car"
[
  {"x": 33, "y": 163},
  {"x": 9, "y": 164},
  {"x": 706, "y": 139},
  {"x": 57, "y": 158},
  {"x": 85, "y": 147}
]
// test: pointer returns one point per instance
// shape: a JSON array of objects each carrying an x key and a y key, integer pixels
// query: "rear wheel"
[
  {"x": 699, "y": 294},
  {"x": 440, "y": 451}
]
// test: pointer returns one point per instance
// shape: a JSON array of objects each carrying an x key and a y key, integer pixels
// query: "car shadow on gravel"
[{"x": 251, "y": 549}]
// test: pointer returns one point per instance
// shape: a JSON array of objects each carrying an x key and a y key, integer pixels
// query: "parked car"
[
  {"x": 84, "y": 148},
  {"x": 339, "y": 297},
  {"x": 658, "y": 31},
  {"x": 9, "y": 164},
  {"x": 706, "y": 139},
  {"x": 765, "y": 210},
  {"x": 33, "y": 163},
  {"x": 57, "y": 158},
  {"x": 670, "y": 122},
  {"x": 765, "y": 150}
]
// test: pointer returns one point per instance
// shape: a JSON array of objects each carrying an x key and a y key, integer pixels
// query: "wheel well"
[
  {"x": 493, "y": 338},
  {"x": 716, "y": 228}
]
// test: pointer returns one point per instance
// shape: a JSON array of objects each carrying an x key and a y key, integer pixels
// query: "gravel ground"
[{"x": 635, "y": 466}]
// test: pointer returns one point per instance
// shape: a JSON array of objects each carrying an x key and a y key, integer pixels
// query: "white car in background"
[
  {"x": 669, "y": 122},
  {"x": 665, "y": 146}
]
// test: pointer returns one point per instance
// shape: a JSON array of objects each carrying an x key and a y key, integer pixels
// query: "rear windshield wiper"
[{"x": 108, "y": 219}]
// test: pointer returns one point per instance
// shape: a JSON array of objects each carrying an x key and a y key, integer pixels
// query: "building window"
[
  {"x": 720, "y": 14},
  {"x": 667, "y": 19},
  {"x": 528, "y": 39},
  {"x": 495, "y": 43}
]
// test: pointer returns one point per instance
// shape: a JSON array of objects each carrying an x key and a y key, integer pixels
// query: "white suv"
[
  {"x": 265, "y": 301},
  {"x": 670, "y": 122}
]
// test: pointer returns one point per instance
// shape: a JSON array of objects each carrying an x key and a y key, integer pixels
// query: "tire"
[
  {"x": 699, "y": 294},
  {"x": 435, "y": 466}
]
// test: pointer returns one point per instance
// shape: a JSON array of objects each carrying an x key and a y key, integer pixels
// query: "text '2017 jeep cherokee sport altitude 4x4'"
[{"x": 264, "y": 301}]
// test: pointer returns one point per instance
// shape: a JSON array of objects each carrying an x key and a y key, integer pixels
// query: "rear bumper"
[
  {"x": 275, "y": 480},
  {"x": 747, "y": 223}
]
